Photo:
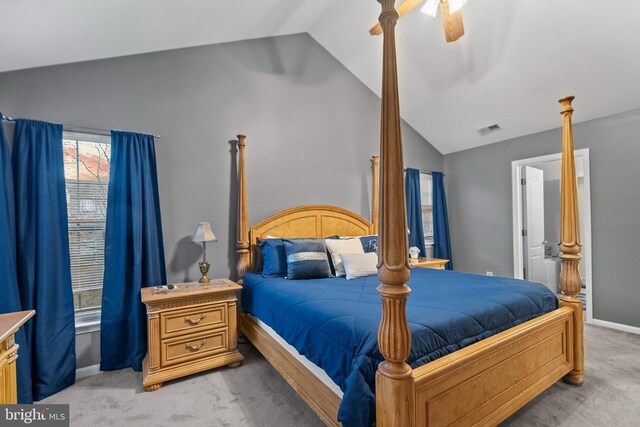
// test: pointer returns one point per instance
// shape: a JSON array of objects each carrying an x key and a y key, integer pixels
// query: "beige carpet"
[{"x": 256, "y": 395}]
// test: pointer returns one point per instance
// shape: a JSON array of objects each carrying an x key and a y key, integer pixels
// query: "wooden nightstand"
[
  {"x": 191, "y": 328},
  {"x": 423, "y": 262}
]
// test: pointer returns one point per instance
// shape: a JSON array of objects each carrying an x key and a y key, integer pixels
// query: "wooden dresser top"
[
  {"x": 187, "y": 290},
  {"x": 11, "y": 322}
]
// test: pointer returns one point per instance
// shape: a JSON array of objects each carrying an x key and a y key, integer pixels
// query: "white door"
[{"x": 534, "y": 239}]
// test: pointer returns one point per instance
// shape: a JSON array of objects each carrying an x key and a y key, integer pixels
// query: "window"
[
  {"x": 86, "y": 170},
  {"x": 427, "y": 211}
]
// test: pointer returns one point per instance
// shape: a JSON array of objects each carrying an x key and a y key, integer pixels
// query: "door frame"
[{"x": 516, "y": 191}]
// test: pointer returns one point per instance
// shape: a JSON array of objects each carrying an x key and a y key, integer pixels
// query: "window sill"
[{"x": 88, "y": 324}]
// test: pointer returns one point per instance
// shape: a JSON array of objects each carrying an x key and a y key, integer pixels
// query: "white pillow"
[
  {"x": 338, "y": 247},
  {"x": 359, "y": 265}
]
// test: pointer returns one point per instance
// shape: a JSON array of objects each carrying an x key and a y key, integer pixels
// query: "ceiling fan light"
[
  {"x": 430, "y": 8},
  {"x": 456, "y": 5}
]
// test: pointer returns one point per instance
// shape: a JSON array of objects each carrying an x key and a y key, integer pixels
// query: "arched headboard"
[{"x": 312, "y": 221}]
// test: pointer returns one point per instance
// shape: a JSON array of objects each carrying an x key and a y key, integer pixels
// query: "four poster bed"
[{"x": 494, "y": 366}]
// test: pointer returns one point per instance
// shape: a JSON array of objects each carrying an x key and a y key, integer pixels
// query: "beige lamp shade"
[{"x": 203, "y": 233}]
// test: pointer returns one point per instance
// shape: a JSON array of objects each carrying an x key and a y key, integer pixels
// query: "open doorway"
[{"x": 536, "y": 221}]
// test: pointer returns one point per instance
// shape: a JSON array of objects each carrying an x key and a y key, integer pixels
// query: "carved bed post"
[
  {"x": 394, "y": 383},
  {"x": 375, "y": 192},
  {"x": 242, "y": 242},
  {"x": 570, "y": 281}
]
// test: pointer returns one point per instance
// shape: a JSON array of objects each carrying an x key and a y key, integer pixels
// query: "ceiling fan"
[{"x": 450, "y": 10}]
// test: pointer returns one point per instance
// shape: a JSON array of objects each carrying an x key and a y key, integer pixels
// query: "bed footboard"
[{"x": 486, "y": 382}]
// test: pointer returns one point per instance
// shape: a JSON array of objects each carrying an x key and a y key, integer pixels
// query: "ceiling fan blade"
[
  {"x": 405, "y": 7},
  {"x": 452, "y": 23},
  {"x": 430, "y": 8}
]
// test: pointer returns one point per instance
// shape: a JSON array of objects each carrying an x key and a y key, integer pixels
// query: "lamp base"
[{"x": 204, "y": 269}]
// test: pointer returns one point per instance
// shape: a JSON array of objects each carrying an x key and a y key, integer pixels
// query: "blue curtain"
[
  {"x": 42, "y": 248},
  {"x": 10, "y": 300},
  {"x": 441, "y": 238},
  {"x": 414, "y": 210},
  {"x": 134, "y": 251}
]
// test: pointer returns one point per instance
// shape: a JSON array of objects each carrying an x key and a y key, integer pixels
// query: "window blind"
[{"x": 86, "y": 159}]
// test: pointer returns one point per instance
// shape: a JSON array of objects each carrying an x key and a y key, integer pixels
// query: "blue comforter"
[{"x": 334, "y": 322}]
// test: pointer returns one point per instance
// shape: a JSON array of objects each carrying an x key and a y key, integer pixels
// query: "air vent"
[{"x": 489, "y": 129}]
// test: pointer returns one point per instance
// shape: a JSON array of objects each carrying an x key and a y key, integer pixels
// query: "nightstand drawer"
[
  {"x": 191, "y": 320},
  {"x": 186, "y": 348}
]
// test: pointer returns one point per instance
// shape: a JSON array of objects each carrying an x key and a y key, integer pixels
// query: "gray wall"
[
  {"x": 311, "y": 129},
  {"x": 480, "y": 212},
  {"x": 88, "y": 349}
]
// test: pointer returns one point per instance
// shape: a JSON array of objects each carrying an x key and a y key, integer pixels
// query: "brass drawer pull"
[
  {"x": 192, "y": 347},
  {"x": 193, "y": 322}
]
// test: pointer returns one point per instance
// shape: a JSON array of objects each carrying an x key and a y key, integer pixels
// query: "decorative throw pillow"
[
  {"x": 306, "y": 259},
  {"x": 342, "y": 246},
  {"x": 274, "y": 258},
  {"x": 360, "y": 265},
  {"x": 372, "y": 246},
  {"x": 370, "y": 243}
]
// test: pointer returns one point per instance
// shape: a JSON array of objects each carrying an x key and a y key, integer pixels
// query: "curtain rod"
[
  {"x": 76, "y": 128},
  {"x": 421, "y": 171}
]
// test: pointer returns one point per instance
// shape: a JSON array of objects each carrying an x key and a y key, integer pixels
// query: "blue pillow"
[
  {"x": 369, "y": 243},
  {"x": 306, "y": 259},
  {"x": 274, "y": 259}
]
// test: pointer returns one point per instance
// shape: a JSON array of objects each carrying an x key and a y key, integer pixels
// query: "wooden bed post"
[
  {"x": 242, "y": 242},
  {"x": 394, "y": 383},
  {"x": 570, "y": 281},
  {"x": 375, "y": 192}
]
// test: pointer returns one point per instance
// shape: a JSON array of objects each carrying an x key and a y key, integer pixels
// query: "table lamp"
[{"x": 203, "y": 235}]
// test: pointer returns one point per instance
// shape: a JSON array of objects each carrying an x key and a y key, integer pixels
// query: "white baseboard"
[
  {"x": 87, "y": 371},
  {"x": 617, "y": 326}
]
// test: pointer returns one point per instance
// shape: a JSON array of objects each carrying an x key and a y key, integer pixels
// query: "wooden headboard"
[{"x": 312, "y": 221}]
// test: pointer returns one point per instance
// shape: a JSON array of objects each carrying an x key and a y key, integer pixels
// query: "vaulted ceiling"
[{"x": 517, "y": 59}]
